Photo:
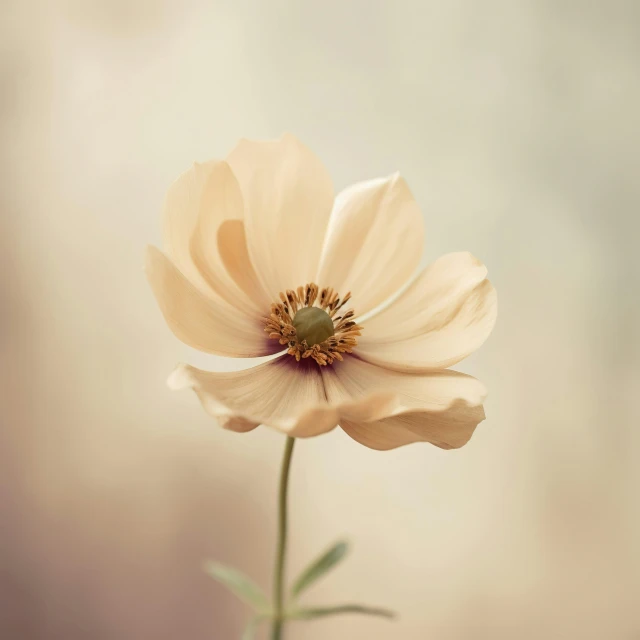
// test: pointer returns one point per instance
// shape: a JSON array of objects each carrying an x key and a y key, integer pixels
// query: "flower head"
[{"x": 259, "y": 260}]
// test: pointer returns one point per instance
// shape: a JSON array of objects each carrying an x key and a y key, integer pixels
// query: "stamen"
[{"x": 296, "y": 332}]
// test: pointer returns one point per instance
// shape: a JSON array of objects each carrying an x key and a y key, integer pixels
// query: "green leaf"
[
  {"x": 317, "y": 569},
  {"x": 239, "y": 584},
  {"x": 252, "y": 627},
  {"x": 321, "y": 612}
]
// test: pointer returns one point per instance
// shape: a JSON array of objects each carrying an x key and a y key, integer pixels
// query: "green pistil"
[{"x": 313, "y": 325}]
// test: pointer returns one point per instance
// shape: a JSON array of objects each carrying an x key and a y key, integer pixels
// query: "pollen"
[{"x": 310, "y": 322}]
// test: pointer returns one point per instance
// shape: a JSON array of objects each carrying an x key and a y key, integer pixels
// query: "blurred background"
[{"x": 516, "y": 126}]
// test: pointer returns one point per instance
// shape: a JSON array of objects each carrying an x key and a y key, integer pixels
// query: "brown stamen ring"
[{"x": 281, "y": 324}]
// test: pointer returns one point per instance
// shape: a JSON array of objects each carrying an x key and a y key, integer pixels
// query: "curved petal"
[
  {"x": 381, "y": 408},
  {"x": 288, "y": 196},
  {"x": 180, "y": 216},
  {"x": 374, "y": 242},
  {"x": 445, "y": 315},
  {"x": 389, "y": 409},
  {"x": 281, "y": 393},
  {"x": 202, "y": 323},
  {"x": 382, "y": 435},
  {"x": 449, "y": 429},
  {"x": 220, "y": 201},
  {"x": 368, "y": 392},
  {"x": 232, "y": 247}
]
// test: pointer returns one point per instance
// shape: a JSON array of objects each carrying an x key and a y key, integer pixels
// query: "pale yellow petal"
[
  {"x": 384, "y": 409},
  {"x": 281, "y": 393},
  {"x": 450, "y": 429},
  {"x": 365, "y": 391},
  {"x": 181, "y": 209},
  {"x": 195, "y": 206},
  {"x": 382, "y": 435},
  {"x": 374, "y": 242},
  {"x": 199, "y": 321},
  {"x": 302, "y": 399},
  {"x": 288, "y": 197},
  {"x": 221, "y": 203},
  {"x": 232, "y": 247},
  {"x": 445, "y": 315}
]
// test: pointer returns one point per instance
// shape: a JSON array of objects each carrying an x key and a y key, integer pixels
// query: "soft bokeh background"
[{"x": 516, "y": 125}]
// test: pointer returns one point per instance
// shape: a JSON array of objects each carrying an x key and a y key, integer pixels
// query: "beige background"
[{"x": 516, "y": 125}]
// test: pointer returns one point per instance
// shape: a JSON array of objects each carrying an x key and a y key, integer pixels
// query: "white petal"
[
  {"x": 374, "y": 243},
  {"x": 445, "y": 315},
  {"x": 201, "y": 322},
  {"x": 384, "y": 409},
  {"x": 281, "y": 393},
  {"x": 288, "y": 196}
]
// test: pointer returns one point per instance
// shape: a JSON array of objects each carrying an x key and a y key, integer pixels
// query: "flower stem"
[{"x": 278, "y": 581}]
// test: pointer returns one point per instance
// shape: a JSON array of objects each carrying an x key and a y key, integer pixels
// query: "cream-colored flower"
[{"x": 260, "y": 259}]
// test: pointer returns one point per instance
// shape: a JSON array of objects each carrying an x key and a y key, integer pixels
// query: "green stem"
[{"x": 278, "y": 581}]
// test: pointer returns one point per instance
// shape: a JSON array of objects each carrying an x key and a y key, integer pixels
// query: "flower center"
[
  {"x": 313, "y": 325},
  {"x": 309, "y": 321}
]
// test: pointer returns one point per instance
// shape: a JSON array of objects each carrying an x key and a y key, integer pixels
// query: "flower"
[{"x": 259, "y": 259}]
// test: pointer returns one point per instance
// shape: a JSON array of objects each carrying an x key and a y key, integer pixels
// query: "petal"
[
  {"x": 221, "y": 200},
  {"x": 450, "y": 429},
  {"x": 445, "y": 315},
  {"x": 199, "y": 321},
  {"x": 288, "y": 196},
  {"x": 388, "y": 409},
  {"x": 365, "y": 391},
  {"x": 304, "y": 400},
  {"x": 232, "y": 247},
  {"x": 181, "y": 208},
  {"x": 281, "y": 393},
  {"x": 195, "y": 206},
  {"x": 374, "y": 243},
  {"x": 383, "y": 435}
]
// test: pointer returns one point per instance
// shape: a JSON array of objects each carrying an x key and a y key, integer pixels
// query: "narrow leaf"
[
  {"x": 252, "y": 627},
  {"x": 239, "y": 584},
  {"x": 319, "y": 567},
  {"x": 321, "y": 612}
]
